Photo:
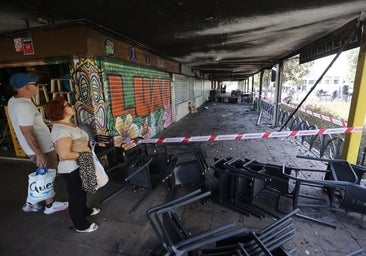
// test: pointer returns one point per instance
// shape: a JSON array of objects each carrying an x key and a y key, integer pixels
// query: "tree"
[
  {"x": 266, "y": 78},
  {"x": 352, "y": 59},
  {"x": 293, "y": 72}
]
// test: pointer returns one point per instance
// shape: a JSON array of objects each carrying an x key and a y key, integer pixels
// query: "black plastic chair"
[
  {"x": 352, "y": 196},
  {"x": 268, "y": 241},
  {"x": 224, "y": 180},
  {"x": 235, "y": 189},
  {"x": 138, "y": 178},
  {"x": 262, "y": 178},
  {"x": 249, "y": 180},
  {"x": 174, "y": 238},
  {"x": 144, "y": 165},
  {"x": 186, "y": 168},
  {"x": 160, "y": 158},
  {"x": 360, "y": 171},
  {"x": 105, "y": 149},
  {"x": 339, "y": 170},
  {"x": 133, "y": 155}
]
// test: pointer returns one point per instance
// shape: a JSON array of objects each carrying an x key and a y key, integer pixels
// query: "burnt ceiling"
[{"x": 227, "y": 40}]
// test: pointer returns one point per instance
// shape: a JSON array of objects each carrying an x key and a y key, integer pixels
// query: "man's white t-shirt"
[{"x": 23, "y": 112}]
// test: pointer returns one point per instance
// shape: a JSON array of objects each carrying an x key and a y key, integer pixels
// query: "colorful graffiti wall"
[
  {"x": 122, "y": 100},
  {"x": 89, "y": 101},
  {"x": 138, "y": 100}
]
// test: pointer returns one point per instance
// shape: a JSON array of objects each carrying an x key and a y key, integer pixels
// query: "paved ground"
[{"x": 124, "y": 234}]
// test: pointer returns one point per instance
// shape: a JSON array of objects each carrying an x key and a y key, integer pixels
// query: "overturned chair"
[
  {"x": 268, "y": 241},
  {"x": 227, "y": 239},
  {"x": 233, "y": 189},
  {"x": 341, "y": 182},
  {"x": 186, "y": 169},
  {"x": 174, "y": 238},
  {"x": 160, "y": 157},
  {"x": 339, "y": 170},
  {"x": 241, "y": 182},
  {"x": 142, "y": 164},
  {"x": 351, "y": 196}
]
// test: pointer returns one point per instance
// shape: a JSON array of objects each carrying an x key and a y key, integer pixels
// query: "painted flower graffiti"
[{"x": 126, "y": 129}]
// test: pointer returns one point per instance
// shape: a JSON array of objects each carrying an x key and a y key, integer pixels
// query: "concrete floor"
[{"x": 122, "y": 233}]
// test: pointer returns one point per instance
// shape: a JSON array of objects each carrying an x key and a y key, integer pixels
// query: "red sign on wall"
[{"x": 28, "y": 46}]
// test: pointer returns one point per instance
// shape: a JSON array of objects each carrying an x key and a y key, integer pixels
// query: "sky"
[{"x": 339, "y": 67}]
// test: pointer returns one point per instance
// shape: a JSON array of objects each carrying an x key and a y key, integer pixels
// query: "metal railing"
[{"x": 326, "y": 145}]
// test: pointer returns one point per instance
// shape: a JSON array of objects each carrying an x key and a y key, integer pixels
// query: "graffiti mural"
[
  {"x": 94, "y": 117},
  {"x": 139, "y": 100},
  {"x": 90, "y": 106},
  {"x": 150, "y": 112}
]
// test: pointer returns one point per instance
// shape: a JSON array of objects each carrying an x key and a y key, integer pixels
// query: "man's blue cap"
[{"x": 18, "y": 80}]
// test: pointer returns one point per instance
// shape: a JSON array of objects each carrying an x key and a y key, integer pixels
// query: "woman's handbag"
[
  {"x": 40, "y": 185},
  {"x": 92, "y": 172},
  {"x": 87, "y": 172}
]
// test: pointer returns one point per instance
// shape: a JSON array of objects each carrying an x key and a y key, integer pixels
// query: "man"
[{"x": 32, "y": 133}]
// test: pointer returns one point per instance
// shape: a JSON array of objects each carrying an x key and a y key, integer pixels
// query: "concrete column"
[
  {"x": 278, "y": 86},
  {"x": 253, "y": 93},
  {"x": 260, "y": 89}
]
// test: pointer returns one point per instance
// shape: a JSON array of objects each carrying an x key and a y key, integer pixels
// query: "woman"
[{"x": 70, "y": 141}]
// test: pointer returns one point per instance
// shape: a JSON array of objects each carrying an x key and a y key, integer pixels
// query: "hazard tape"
[
  {"x": 320, "y": 116},
  {"x": 247, "y": 136}
]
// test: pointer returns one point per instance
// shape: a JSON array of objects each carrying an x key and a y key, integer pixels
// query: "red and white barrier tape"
[
  {"x": 246, "y": 136},
  {"x": 320, "y": 116}
]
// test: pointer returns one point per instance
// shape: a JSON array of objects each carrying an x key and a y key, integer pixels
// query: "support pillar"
[
  {"x": 357, "y": 112},
  {"x": 278, "y": 86},
  {"x": 261, "y": 77}
]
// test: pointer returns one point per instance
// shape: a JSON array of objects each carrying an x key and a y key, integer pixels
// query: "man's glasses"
[{"x": 67, "y": 105}]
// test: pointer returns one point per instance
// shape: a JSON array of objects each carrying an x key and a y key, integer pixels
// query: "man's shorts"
[{"x": 52, "y": 160}]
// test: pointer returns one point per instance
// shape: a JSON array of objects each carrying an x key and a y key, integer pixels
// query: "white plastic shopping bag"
[{"x": 40, "y": 185}]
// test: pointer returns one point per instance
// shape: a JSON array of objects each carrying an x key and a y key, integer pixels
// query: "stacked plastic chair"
[
  {"x": 186, "y": 169},
  {"x": 229, "y": 239},
  {"x": 242, "y": 182},
  {"x": 174, "y": 238},
  {"x": 268, "y": 241}
]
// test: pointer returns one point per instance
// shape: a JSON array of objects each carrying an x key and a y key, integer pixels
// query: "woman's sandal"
[
  {"x": 91, "y": 228},
  {"x": 95, "y": 211}
]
